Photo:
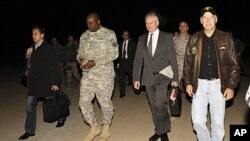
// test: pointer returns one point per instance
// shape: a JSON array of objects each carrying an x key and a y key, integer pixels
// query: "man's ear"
[
  {"x": 216, "y": 19},
  {"x": 42, "y": 35},
  {"x": 201, "y": 20}
]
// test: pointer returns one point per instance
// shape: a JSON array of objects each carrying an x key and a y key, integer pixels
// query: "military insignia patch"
[{"x": 114, "y": 44}]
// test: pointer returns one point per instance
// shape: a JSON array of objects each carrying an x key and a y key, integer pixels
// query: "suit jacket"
[
  {"x": 130, "y": 52},
  {"x": 44, "y": 71},
  {"x": 144, "y": 64}
]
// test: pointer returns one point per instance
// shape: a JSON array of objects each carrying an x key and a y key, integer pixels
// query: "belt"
[
  {"x": 208, "y": 78},
  {"x": 212, "y": 78}
]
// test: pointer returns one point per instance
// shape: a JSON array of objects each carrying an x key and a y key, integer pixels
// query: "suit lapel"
[
  {"x": 146, "y": 45},
  {"x": 128, "y": 48},
  {"x": 120, "y": 49}
]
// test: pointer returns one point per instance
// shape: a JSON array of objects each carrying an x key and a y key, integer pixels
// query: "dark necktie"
[
  {"x": 124, "y": 50},
  {"x": 150, "y": 44}
]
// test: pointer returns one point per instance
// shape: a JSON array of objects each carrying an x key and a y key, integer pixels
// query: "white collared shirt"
[
  {"x": 154, "y": 40},
  {"x": 126, "y": 48},
  {"x": 38, "y": 44}
]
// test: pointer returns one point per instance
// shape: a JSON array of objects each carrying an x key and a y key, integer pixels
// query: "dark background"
[{"x": 63, "y": 18}]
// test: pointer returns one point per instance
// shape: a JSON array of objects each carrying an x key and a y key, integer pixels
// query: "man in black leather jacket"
[{"x": 211, "y": 73}]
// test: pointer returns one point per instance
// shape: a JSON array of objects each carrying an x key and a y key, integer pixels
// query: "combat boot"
[
  {"x": 105, "y": 133},
  {"x": 94, "y": 131}
]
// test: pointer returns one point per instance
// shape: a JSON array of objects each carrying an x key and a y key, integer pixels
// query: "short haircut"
[
  {"x": 152, "y": 13},
  {"x": 184, "y": 21},
  {"x": 41, "y": 29},
  {"x": 93, "y": 14}
]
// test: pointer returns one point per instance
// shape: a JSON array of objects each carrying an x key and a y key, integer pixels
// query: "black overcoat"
[{"x": 43, "y": 72}]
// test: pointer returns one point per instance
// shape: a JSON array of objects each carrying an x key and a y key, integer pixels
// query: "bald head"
[{"x": 93, "y": 15}]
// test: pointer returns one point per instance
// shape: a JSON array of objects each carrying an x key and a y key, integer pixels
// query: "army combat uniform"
[
  {"x": 100, "y": 46},
  {"x": 180, "y": 48}
]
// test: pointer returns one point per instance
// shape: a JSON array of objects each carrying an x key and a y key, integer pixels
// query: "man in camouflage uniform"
[{"x": 97, "y": 50}]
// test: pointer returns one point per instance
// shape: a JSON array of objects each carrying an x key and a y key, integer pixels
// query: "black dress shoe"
[
  {"x": 155, "y": 137},
  {"x": 25, "y": 136},
  {"x": 164, "y": 137},
  {"x": 137, "y": 92},
  {"x": 60, "y": 123}
]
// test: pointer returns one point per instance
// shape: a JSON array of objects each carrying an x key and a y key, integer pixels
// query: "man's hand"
[
  {"x": 229, "y": 93},
  {"x": 137, "y": 85},
  {"x": 88, "y": 65},
  {"x": 55, "y": 88},
  {"x": 189, "y": 90},
  {"x": 80, "y": 62},
  {"x": 28, "y": 52},
  {"x": 174, "y": 84}
]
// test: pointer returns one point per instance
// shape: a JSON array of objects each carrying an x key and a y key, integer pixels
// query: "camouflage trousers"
[
  {"x": 103, "y": 91},
  {"x": 73, "y": 71}
]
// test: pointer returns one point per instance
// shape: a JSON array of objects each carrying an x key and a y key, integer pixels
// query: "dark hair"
[
  {"x": 41, "y": 29},
  {"x": 184, "y": 21}
]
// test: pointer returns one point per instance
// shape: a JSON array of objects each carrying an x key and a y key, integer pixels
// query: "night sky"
[{"x": 63, "y": 18}]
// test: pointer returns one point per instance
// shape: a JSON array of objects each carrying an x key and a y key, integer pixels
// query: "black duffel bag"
[{"x": 56, "y": 106}]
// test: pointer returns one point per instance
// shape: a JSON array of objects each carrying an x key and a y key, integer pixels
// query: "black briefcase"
[{"x": 56, "y": 106}]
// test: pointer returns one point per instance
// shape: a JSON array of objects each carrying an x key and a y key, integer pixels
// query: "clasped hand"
[{"x": 88, "y": 65}]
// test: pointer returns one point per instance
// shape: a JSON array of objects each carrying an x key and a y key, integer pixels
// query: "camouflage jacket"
[{"x": 100, "y": 46}]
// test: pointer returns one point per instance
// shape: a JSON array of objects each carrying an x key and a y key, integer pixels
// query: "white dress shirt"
[
  {"x": 154, "y": 40},
  {"x": 126, "y": 48}
]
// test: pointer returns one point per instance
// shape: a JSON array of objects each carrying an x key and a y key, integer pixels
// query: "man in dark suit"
[
  {"x": 155, "y": 66},
  {"x": 42, "y": 79},
  {"x": 127, "y": 48}
]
